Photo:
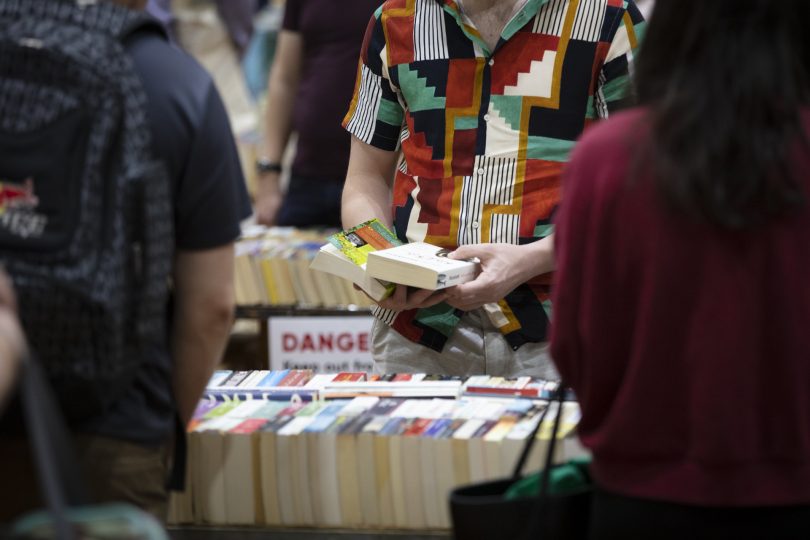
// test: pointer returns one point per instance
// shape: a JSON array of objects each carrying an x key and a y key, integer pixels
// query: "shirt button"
[
  {"x": 474, "y": 224},
  {"x": 491, "y": 62},
  {"x": 486, "y": 118},
  {"x": 481, "y": 171}
]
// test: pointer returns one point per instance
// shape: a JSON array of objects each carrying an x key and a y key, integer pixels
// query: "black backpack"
[{"x": 86, "y": 224}]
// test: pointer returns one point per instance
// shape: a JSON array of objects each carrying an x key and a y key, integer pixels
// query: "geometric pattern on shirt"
[{"x": 485, "y": 133}]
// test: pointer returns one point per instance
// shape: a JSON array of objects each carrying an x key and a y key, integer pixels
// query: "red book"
[
  {"x": 418, "y": 426},
  {"x": 296, "y": 377},
  {"x": 504, "y": 391},
  {"x": 352, "y": 376}
]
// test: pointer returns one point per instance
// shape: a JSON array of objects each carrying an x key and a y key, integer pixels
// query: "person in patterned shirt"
[{"x": 485, "y": 99}]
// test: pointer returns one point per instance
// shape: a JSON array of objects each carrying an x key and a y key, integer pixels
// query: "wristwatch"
[{"x": 264, "y": 165}]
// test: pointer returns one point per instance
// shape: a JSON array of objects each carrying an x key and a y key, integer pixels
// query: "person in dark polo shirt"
[
  {"x": 125, "y": 453},
  {"x": 311, "y": 83}
]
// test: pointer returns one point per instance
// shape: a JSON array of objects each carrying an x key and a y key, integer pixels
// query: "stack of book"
[
  {"x": 272, "y": 269},
  {"x": 373, "y": 258},
  {"x": 374, "y": 460}
]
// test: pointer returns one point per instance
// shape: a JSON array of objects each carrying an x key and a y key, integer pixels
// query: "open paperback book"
[
  {"x": 373, "y": 258},
  {"x": 347, "y": 252}
]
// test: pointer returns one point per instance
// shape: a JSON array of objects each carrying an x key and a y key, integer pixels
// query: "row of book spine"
[
  {"x": 362, "y": 462},
  {"x": 272, "y": 269},
  {"x": 306, "y": 385}
]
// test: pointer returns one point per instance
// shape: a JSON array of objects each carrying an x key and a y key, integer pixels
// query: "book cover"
[
  {"x": 421, "y": 265},
  {"x": 218, "y": 376},
  {"x": 357, "y": 242},
  {"x": 346, "y": 253},
  {"x": 273, "y": 378},
  {"x": 345, "y": 376},
  {"x": 296, "y": 377}
]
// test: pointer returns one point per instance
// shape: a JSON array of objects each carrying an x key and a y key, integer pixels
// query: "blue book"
[{"x": 273, "y": 378}]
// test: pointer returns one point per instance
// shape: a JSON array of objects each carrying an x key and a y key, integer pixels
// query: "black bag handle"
[
  {"x": 59, "y": 479},
  {"x": 552, "y": 445},
  {"x": 517, "y": 473},
  {"x": 559, "y": 396},
  {"x": 539, "y": 518}
]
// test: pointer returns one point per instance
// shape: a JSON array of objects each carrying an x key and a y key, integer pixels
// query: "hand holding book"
[
  {"x": 373, "y": 258},
  {"x": 504, "y": 267}
]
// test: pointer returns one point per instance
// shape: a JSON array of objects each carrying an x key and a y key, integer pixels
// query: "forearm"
[
  {"x": 278, "y": 117},
  {"x": 367, "y": 190},
  {"x": 198, "y": 347},
  {"x": 372, "y": 201},
  {"x": 282, "y": 91},
  {"x": 539, "y": 258},
  {"x": 277, "y": 129},
  {"x": 203, "y": 315}
]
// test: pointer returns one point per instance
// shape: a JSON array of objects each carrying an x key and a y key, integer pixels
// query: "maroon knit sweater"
[{"x": 688, "y": 346}]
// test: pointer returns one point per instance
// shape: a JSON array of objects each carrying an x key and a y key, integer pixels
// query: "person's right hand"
[{"x": 267, "y": 205}]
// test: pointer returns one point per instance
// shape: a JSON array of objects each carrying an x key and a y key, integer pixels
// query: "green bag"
[
  {"x": 116, "y": 521},
  {"x": 569, "y": 477}
]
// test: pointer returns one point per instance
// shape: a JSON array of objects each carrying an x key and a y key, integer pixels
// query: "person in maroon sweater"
[{"x": 682, "y": 304}]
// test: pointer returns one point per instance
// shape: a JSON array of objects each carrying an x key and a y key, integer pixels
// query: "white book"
[{"x": 420, "y": 265}]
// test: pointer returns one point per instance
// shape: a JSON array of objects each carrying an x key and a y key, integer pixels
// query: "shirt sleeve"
[
  {"x": 613, "y": 89},
  {"x": 211, "y": 198},
  {"x": 292, "y": 16},
  {"x": 375, "y": 114}
]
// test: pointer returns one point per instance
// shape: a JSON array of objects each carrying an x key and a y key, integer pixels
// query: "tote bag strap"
[
  {"x": 517, "y": 473},
  {"x": 59, "y": 480},
  {"x": 552, "y": 445}
]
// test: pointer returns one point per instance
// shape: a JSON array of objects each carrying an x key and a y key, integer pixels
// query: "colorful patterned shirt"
[{"x": 485, "y": 133}]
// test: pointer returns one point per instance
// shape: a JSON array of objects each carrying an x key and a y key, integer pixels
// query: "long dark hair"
[{"x": 726, "y": 81}]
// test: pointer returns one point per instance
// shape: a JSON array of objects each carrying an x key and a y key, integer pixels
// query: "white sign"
[{"x": 323, "y": 344}]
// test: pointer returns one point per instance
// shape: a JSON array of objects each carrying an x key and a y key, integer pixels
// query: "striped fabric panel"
[
  {"x": 472, "y": 201},
  {"x": 405, "y": 133},
  {"x": 589, "y": 19},
  {"x": 429, "y": 32},
  {"x": 505, "y": 228},
  {"x": 385, "y": 315},
  {"x": 550, "y": 18},
  {"x": 368, "y": 105},
  {"x": 494, "y": 186},
  {"x": 600, "y": 103}
]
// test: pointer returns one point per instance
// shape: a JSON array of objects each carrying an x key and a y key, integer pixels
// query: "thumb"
[{"x": 465, "y": 252}]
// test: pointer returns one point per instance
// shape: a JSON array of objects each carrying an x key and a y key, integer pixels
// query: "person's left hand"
[
  {"x": 405, "y": 297},
  {"x": 503, "y": 268}
]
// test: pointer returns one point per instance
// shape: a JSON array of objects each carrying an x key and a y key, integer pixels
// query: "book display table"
[{"x": 289, "y": 450}]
